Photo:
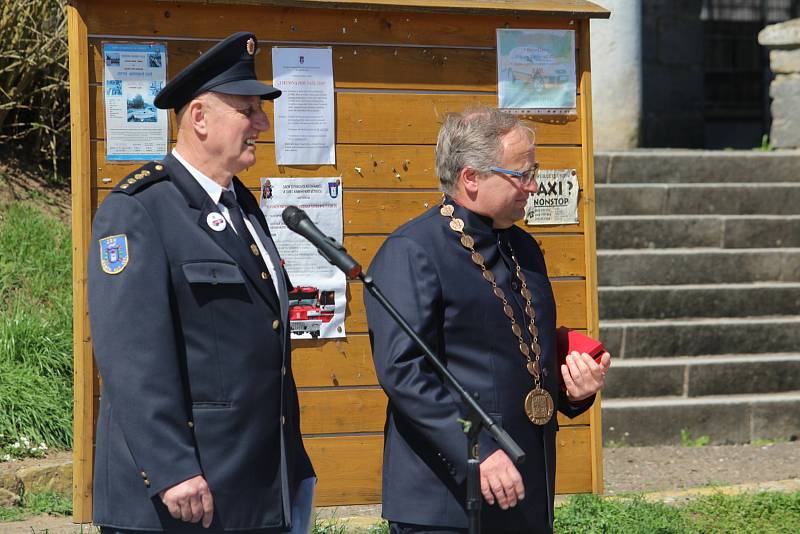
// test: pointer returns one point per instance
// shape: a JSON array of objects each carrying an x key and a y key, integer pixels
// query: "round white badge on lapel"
[{"x": 216, "y": 221}]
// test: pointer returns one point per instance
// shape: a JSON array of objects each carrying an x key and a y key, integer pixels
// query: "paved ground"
[
  {"x": 645, "y": 469},
  {"x": 668, "y": 473}
]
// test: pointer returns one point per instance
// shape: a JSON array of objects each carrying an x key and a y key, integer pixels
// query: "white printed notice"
[
  {"x": 556, "y": 200},
  {"x": 133, "y": 74},
  {"x": 304, "y": 114},
  {"x": 319, "y": 298}
]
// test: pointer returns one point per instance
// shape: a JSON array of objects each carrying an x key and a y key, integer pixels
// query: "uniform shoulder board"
[{"x": 150, "y": 173}]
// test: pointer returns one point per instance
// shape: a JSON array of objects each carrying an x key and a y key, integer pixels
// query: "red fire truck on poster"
[{"x": 309, "y": 309}]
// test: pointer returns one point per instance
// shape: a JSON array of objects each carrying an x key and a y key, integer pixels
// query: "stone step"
[
  {"x": 697, "y": 266},
  {"x": 698, "y": 166},
  {"x": 695, "y": 337},
  {"x": 724, "y": 419},
  {"x": 697, "y": 376},
  {"x": 725, "y": 231},
  {"x": 700, "y": 300},
  {"x": 698, "y": 199}
]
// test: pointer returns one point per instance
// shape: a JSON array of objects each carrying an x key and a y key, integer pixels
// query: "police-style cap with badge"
[{"x": 228, "y": 68}]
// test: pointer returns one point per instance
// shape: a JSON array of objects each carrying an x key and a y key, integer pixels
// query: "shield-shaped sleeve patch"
[{"x": 114, "y": 253}]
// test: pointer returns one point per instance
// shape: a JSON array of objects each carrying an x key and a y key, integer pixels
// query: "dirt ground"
[
  {"x": 54, "y": 458},
  {"x": 19, "y": 185},
  {"x": 627, "y": 469}
]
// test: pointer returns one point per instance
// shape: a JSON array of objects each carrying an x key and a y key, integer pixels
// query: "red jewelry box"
[{"x": 568, "y": 340}]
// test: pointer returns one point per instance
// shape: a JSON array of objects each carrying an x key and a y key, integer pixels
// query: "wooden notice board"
[{"x": 398, "y": 68}]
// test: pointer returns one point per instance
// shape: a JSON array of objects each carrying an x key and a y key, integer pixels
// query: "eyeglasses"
[{"x": 525, "y": 177}]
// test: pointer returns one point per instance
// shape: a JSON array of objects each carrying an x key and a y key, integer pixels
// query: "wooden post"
[
  {"x": 84, "y": 383},
  {"x": 590, "y": 241}
]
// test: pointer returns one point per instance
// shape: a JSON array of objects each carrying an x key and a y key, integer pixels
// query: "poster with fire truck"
[{"x": 319, "y": 298}]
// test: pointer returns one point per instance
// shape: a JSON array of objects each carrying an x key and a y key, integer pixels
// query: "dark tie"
[{"x": 228, "y": 200}]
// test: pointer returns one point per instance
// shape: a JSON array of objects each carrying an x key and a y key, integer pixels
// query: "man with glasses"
[
  {"x": 475, "y": 287},
  {"x": 199, "y": 425}
]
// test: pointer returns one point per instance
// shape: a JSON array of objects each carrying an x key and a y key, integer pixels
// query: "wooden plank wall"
[{"x": 396, "y": 75}]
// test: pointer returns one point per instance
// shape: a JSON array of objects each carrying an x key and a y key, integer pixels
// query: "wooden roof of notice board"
[{"x": 556, "y": 8}]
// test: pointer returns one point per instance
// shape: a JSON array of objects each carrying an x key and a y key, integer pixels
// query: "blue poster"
[{"x": 133, "y": 74}]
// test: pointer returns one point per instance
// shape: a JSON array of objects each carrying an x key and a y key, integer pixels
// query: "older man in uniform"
[
  {"x": 199, "y": 421},
  {"x": 475, "y": 287}
]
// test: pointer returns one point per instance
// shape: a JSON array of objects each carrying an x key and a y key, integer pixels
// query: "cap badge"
[{"x": 251, "y": 46}]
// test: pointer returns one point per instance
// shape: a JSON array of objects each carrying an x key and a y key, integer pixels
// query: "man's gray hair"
[{"x": 471, "y": 138}]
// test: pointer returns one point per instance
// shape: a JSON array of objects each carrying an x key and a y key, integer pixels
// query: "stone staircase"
[{"x": 699, "y": 282}]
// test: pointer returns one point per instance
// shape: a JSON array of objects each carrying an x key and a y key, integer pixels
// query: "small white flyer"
[
  {"x": 133, "y": 74},
  {"x": 305, "y": 125},
  {"x": 556, "y": 200},
  {"x": 536, "y": 71},
  {"x": 318, "y": 302}
]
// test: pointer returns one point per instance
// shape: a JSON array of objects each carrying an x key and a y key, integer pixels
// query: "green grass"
[
  {"x": 758, "y": 513},
  {"x": 36, "y": 504},
  {"x": 764, "y": 442},
  {"x": 588, "y": 513},
  {"x": 765, "y": 146},
  {"x": 688, "y": 441},
  {"x": 329, "y": 526},
  {"x": 35, "y": 329},
  {"x": 335, "y": 525},
  {"x": 379, "y": 528},
  {"x": 752, "y": 513}
]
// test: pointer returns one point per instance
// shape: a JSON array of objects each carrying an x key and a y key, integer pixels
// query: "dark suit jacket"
[
  {"x": 425, "y": 271},
  {"x": 193, "y": 350}
]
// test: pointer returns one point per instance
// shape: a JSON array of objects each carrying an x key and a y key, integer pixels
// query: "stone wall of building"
[{"x": 783, "y": 40}]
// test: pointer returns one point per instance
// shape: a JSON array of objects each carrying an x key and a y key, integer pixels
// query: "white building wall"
[{"x": 617, "y": 75}]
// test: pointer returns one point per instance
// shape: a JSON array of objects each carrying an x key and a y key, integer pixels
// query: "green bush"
[
  {"x": 34, "y": 100},
  {"x": 35, "y": 331}
]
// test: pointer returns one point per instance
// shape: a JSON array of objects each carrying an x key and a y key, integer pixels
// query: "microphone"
[{"x": 297, "y": 221}]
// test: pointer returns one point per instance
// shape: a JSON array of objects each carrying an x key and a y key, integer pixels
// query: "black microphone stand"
[{"x": 477, "y": 418}]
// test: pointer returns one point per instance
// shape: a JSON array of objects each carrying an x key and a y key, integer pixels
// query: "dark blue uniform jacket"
[
  {"x": 424, "y": 270},
  {"x": 193, "y": 351}
]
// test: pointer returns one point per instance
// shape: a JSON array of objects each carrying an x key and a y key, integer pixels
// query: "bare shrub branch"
[{"x": 34, "y": 114}]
